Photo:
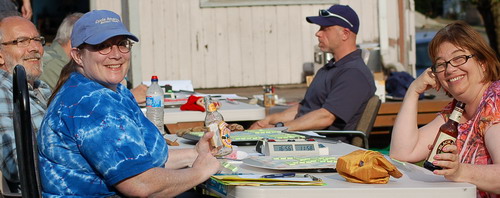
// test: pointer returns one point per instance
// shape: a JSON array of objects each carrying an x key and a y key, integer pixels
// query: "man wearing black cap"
[{"x": 338, "y": 94}]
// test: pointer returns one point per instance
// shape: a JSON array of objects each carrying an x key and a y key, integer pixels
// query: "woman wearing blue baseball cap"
[{"x": 94, "y": 140}]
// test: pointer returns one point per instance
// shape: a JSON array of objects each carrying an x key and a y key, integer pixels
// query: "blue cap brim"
[{"x": 324, "y": 21}]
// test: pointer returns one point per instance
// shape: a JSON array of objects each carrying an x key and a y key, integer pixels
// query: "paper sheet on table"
[
  {"x": 310, "y": 133},
  {"x": 223, "y": 96},
  {"x": 177, "y": 85},
  {"x": 257, "y": 180}
]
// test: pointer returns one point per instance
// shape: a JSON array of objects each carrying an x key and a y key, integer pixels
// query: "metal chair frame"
[{"x": 27, "y": 155}]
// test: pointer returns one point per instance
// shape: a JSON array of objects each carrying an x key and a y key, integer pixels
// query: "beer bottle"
[{"x": 447, "y": 135}]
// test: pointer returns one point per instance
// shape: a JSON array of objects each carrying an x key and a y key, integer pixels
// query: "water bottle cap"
[{"x": 154, "y": 78}]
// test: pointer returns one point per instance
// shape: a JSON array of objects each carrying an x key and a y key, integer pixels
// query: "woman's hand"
[
  {"x": 424, "y": 82},
  {"x": 205, "y": 159},
  {"x": 449, "y": 162}
]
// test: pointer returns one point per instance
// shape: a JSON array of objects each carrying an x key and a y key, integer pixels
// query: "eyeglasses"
[
  {"x": 124, "y": 46},
  {"x": 25, "y": 41},
  {"x": 455, "y": 62},
  {"x": 326, "y": 13}
]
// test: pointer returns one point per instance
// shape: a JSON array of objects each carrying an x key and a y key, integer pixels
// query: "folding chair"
[
  {"x": 366, "y": 121},
  {"x": 27, "y": 155},
  {"x": 363, "y": 128}
]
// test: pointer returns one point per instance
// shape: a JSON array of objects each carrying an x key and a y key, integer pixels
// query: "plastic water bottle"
[{"x": 154, "y": 104}]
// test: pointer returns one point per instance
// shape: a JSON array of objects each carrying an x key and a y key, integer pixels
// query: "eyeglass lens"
[{"x": 323, "y": 13}]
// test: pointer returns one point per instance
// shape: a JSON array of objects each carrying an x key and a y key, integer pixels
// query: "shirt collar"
[{"x": 351, "y": 56}]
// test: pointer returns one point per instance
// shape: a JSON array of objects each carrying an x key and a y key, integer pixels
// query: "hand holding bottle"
[
  {"x": 206, "y": 161},
  {"x": 449, "y": 161},
  {"x": 446, "y": 136}
]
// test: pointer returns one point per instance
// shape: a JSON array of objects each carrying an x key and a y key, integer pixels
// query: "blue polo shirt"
[
  {"x": 92, "y": 137},
  {"x": 343, "y": 88}
]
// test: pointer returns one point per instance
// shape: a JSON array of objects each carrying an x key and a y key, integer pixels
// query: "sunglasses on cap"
[{"x": 326, "y": 13}]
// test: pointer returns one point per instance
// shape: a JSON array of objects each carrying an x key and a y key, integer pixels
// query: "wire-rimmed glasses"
[
  {"x": 124, "y": 46},
  {"x": 25, "y": 41}
]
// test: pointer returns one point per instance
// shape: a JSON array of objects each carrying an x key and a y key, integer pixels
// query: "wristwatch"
[{"x": 279, "y": 124}]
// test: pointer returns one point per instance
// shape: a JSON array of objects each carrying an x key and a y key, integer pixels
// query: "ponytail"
[{"x": 65, "y": 73}]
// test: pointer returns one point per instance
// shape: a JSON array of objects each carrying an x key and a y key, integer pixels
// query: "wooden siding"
[{"x": 232, "y": 46}]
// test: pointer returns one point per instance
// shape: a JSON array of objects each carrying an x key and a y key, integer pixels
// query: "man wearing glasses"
[
  {"x": 20, "y": 43},
  {"x": 339, "y": 91}
]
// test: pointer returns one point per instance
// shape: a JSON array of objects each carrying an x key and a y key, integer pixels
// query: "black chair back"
[{"x": 27, "y": 155}]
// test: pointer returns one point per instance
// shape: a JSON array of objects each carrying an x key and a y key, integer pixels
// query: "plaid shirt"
[{"x": 38, "y": 105}]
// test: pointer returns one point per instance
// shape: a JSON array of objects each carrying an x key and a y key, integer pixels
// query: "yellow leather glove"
[{"x": 368, "y": 167}]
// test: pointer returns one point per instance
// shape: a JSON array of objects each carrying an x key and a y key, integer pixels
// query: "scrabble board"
[
  {"x": 249, "y": 137},
  {"x": 323, "y": 163}
]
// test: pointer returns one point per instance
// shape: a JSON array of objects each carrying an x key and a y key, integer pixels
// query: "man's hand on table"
[{"x": 261, "y": 124}]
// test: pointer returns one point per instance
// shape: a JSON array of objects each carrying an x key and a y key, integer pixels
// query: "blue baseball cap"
[
  {"x": 341, "y": 15},
  {"x": 97, "y": 26}
]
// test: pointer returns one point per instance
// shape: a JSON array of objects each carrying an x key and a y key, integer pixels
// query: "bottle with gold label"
[
  {"x": 447, "y": 135},
  {"x": 269, "y": 96}
]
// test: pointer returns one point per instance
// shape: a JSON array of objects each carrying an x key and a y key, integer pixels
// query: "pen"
[{"x": 279, "y": 175}]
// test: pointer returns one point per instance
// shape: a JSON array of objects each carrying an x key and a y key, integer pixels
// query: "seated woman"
[
  {"x": 95, "y": 141},
  {"x": 468, "y": 70}
]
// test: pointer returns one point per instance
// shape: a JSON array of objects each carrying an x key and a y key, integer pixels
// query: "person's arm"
[
  {"x": 317, "y": 119},
  {"x": 139, "y": 93},
  {"x": 26, "y": 10},
  {"x": 8, "y": 155},
  {"x": 166, "y": 182},
  {"x": 270, "y": 120},
  {"x": 485, "y": 177},
  {"x": 408, "y": 142},
  {"x": 180, "y": 158}
]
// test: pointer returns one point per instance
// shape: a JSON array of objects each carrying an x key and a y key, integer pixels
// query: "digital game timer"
[{"x": 290, "y": 147}]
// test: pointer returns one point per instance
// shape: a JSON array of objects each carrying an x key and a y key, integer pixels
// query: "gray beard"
[{"x": 29, "y": 76}]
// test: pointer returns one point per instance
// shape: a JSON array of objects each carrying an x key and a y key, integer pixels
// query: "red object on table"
[{"x": 194, "y": 103}]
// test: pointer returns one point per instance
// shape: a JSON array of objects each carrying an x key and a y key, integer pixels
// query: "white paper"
[
  {"x": 222, "y": 96},
  {"x": 310, "y": 133},
  {"x": 177, "y": 85}
]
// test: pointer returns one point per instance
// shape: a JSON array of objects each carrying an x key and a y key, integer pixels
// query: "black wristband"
[{"x": 279, "y": 124}]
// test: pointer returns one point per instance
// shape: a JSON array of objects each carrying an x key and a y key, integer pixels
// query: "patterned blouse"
[{"x": 470, "y": 141}]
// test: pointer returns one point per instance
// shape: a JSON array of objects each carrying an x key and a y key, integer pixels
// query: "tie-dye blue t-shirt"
[{"x": 92, "y": 137}]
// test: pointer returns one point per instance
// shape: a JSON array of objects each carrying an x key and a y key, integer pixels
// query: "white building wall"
[{"x": 232, "y": 46}]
